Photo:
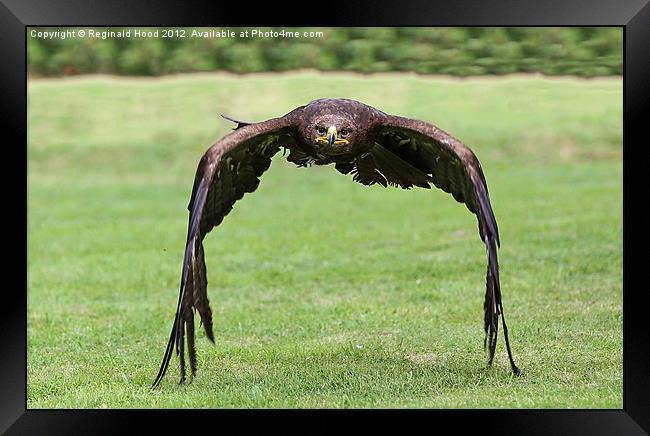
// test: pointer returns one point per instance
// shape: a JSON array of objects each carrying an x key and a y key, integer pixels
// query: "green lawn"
[{"x": 325, "y": 292}]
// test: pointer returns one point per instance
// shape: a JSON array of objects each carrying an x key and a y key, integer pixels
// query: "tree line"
[{"x": 458, "y": 51}]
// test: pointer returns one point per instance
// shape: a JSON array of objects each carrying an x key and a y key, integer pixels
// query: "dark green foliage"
[{"x": 592, "y": 51}]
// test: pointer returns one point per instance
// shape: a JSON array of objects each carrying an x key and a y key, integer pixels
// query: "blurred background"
[{"x": 582, "y": 51}]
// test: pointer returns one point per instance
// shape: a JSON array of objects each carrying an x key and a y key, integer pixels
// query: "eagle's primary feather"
[{"x": 374, "y": 147}]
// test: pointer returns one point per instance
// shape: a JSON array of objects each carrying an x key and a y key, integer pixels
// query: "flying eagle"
[{"x": 372, "y": 146}]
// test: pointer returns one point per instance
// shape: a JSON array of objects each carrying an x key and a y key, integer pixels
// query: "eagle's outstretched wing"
[
  {"x": 408, "y": 153},
  {"x": 227, "y": 170}
]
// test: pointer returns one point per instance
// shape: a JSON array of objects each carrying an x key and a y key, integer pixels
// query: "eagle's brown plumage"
[{"x": 372, "y": 146}]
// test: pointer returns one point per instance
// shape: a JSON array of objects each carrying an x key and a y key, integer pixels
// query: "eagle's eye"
[
  {"x": 344, "y": 133},
  {"x": 321, "y": 130}
]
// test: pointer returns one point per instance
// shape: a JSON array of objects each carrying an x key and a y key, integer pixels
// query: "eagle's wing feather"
[
  {"x": 228, "y": 169},
  {"x": 406, "y": 153}
]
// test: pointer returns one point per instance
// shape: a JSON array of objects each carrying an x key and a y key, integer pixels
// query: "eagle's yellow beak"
[{"x": 332, "y": 137}]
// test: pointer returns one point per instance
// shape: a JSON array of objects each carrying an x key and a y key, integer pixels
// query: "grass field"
[{"x": 325, "y": 293}]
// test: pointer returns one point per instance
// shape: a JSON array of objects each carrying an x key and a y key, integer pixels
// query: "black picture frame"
[{"x": 16, "y": 15}]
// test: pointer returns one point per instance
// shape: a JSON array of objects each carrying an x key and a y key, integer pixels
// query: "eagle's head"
[
  {"x": 335, "y": 127},
  {"x": 332, "y": 134}
]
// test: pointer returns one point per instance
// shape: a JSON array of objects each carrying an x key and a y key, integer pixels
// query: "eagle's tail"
[{"x": 493, "y": 306}]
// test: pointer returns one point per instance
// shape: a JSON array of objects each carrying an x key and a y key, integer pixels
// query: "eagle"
[{"x": 374, "y": 147}]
